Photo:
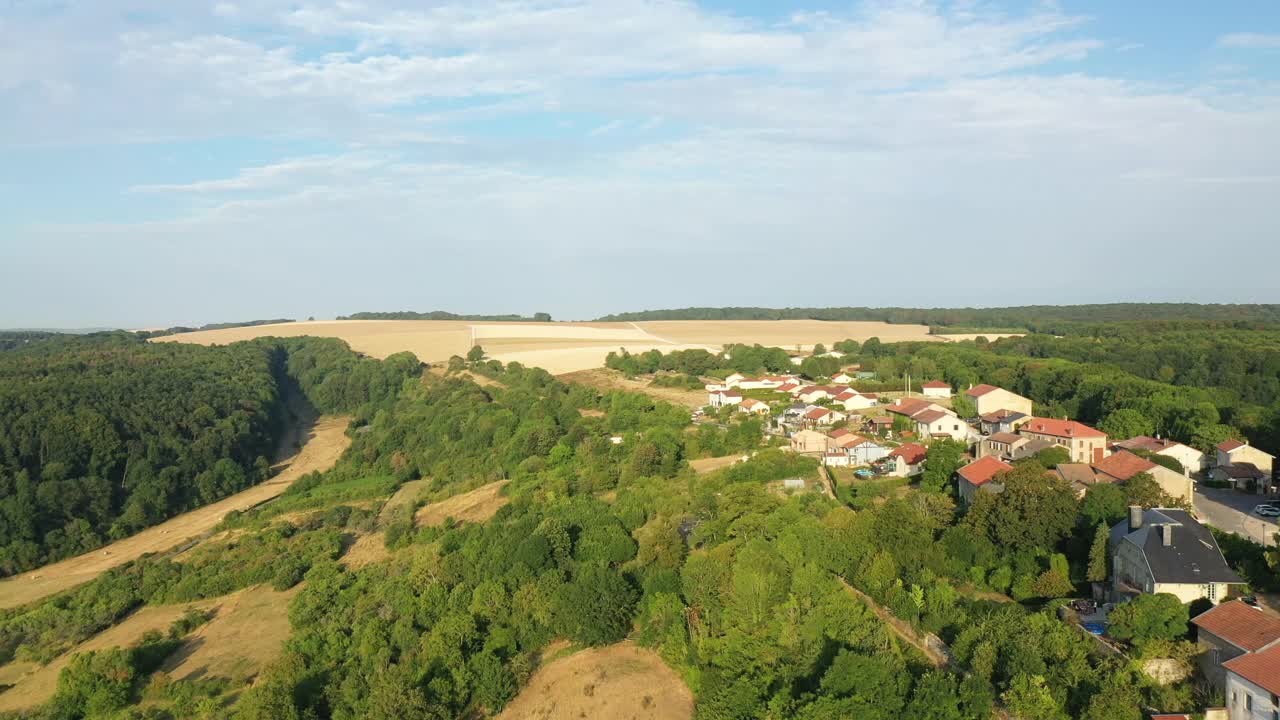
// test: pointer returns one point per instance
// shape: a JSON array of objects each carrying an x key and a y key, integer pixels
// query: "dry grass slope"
[
  {"x": 248, "y": 632},
  {"x": 621, "y": 682},
  {"x": 476, "y": 506}
]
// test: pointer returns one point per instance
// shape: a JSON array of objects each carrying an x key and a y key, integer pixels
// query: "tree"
[
  {"x": 963, "y": 407},
  {"x": 1098, "y": 555},
  {"x": 944, "y": 458},
  {"x": 1126, "y": 423},
  {"x": 1050, "y": 458},
  {"x": 819, "y": 349},
  {"x": 1104, "y": 503},
  {"x": 1029, "y": 698},
  {"x": 1149, "y": 617},
  {"x": 1035, "y": 511},
  {"x": 1142, "y": 489},
  {"x": 542, "y": 317},
  {"x": 475, "y": 354},
  {"x": 596, "y": 608}
]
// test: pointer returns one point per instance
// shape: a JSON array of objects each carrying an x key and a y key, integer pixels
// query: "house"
[
  {"x": 881, "y": 423},
  {"x": 796, "y": 411},
  {"x": 864, "y": 452},
  {"x": 1239, "y": 463},
  {"x": 733, "y": 379},
  {"x": 755, "y": 407},
  {"x": 1085, "y": 444},
  {"x": 1001, "y": 445},
  {"x": 843, "y": 437},
  {"x": 837, "y": 458},
  {"x": 989, "y": 398},
  {"x": 936, "y": 389},
  {"x": 1123, "y": 465},
  {"x": 797, "y": 359},
  {"x": 843, "y": 377},
  {"x": 1080, "y": 476},
  {"x": 852, "y": 400},
  {"x": 810, "y": 442},
  {"x": 980, "y": 473},
  {"x": 814, "y": 393},
  {"x": 720, "y": 398},
  {"x": 1253, "y": 685},
  {"x": 908, "y": 460},
  {"x": 909, "y": 407},
  {"x": 1002, "y": 421},
  {"x": 789, "y": 387},
  {"x": 823, "y": 416},
  {"x": 940, "y": 425},
  {"x": 1165, "y": 550},
  {"x": 1190, "y": 458},
  {"x": 1229, "y": 630},
  {"x": 1234, "y": 452}
]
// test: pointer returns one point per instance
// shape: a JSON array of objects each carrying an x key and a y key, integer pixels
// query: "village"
[{"x": 866, "y": 435}]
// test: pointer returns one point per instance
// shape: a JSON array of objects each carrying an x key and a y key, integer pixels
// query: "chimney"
[
  {"x": 1166, "y": 535},
  {"x": 1135, "y": 517}
]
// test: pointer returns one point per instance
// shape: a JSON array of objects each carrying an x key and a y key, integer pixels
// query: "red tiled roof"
[
  {"x": 912, "y": 453},
  {"x": 1004, "y": 437},
  {"x": 980, "y": 390},
  {"x": 1229, "y": 445},
  {"x": 936, "y": 384},
  {"x": 1247, "y": 628},
  {"x": 929, "y": 416},
  {"x": 839, "y": 433},
  {"x": 873, "y": 396},
  {"x": 1123, "y": 465},
  {"x": 1150, "y": 444},
  {"x": 882, "y": 420},
  {"x": 1061, "y": 428},
  {"x": 909, "y": 406},
  {"x": 1260, "y": 668},
  {"x": 730, "y": 393},
  {"x": 980, "y": 472},
  {"x": 817, "y": 413},
  {"x": 750, "y": 403}
]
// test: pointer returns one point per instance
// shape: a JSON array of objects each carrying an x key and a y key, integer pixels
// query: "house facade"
[
  {"x": 936, "y": 389},
  {"x": 753, "y": 406},
  {"x": 940, "y": 425},
  {"x": 1085, "y": 444},
  {"x": 1122, "y": 466},
  {"x": 720, "y": 398},
  {"x": 980, "y": 474},
  {"x": 908, "y": 460},
  {"x": 989, "y": 399},
  {"x": 1165, "y": 550},
  {"x": 1233, "y": 452},
  {"x": 1230, "y": 630},
  {"x": 810, "y": 442},
  {"x": 1190, "y": 458},
  {"x": 1253, "y": 685}
]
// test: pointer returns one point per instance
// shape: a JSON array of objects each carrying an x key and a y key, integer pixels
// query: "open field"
[
  {"x": 408, "y": 494},
  {"x": 620, "y": 681},
  {"x": 605, "y": 379},
  {"x": 366, "y": 550},
  {"x": 247, "y": 632},
  {"x": 561, "y": 347},
  {"x": 326, "y": 442},
  {"x": 38, "y": 684},
  {"x": 476, "y": 506},
  {"x": 706, "y": 465}
]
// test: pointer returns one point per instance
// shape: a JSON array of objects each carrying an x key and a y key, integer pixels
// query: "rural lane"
[{"x": 326, "y": 443}]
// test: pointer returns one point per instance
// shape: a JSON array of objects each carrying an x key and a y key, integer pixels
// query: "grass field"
[
  {"x": 245, "y": 634},
  {"x": 326, "y": 442},
  {"x": 561, "y": 347},
  {"x": 605, "y": 379},
  {"x": 476, "y": 506},
  {"x": 618, "y": 681}
]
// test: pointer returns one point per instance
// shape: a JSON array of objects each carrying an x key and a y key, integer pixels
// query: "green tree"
[
  {"x": 1126, "y": 423},
  {"x": 1149, "y": 617},
  {"x": 1098, "y": 555},
  {"x": 963, "y": 407},
  {"x": 1030, "y": 698},
  {"x": 1035, "y": 511},
  {"x": 1104, "y": 503},
  {"x": 475, "y": 354},
  {"x": 596, "y": 608},
  {"x": 945, "y": 457}
]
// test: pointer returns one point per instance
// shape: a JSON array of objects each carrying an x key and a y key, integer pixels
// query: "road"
[
  {"x": 326, "y": 441},
  {"x": 1232, "y": 512}
]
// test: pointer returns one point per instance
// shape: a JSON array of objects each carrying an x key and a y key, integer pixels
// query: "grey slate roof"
[{"x": 1192, "y": 558}]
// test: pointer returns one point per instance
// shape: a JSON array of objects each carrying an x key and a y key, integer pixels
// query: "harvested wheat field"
[
  {"x": 621, "y": 682},
  {"x": 605, "y": 379},
  {"x": 560, "y": 347},
  {"x": 247, "y": 632},
  {"x": 328, "y": 440},
  {"x": 476, "y": 506},
  {"x": 39, "y": 683}
]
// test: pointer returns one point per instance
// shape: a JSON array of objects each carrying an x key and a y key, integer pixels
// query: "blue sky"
[{"x": 165, "y": 163}]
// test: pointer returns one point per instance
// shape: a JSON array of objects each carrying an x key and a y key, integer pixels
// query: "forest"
[
  {"x": 1054, "y": 319},
  {"x": 764, "y": 602},
  {"x": 103, "y": 435}
]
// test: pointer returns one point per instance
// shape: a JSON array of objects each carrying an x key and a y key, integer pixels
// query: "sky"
[{"x": 171, "y": 163}]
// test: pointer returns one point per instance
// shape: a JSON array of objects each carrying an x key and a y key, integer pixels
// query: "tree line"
[{"x": 442, "y": 315}]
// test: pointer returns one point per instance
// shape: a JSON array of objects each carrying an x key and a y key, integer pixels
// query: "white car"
[{"x": 1267, "y": 511}]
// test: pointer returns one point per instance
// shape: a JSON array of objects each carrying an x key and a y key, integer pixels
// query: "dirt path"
[
  {"x": 619, "y": 681},
  {"x": 326, "y": 441},
  {"x": 932, "y": 646}
]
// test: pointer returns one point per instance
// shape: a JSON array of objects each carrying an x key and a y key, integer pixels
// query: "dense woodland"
[
  {"x": 103, "y": 435},
  {"x": 178, "y": 329},
  {"x": 1054, "y": 319},
  {"x": 754, "y": 596}
]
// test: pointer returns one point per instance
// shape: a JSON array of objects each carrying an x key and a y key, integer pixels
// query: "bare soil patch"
[
  {"x": 621, "y": 681},
  {"x": 248, "y": 632},
  {"x": 327, "y": 441},
  {"x": 408, "y": 494},
  {"x": 37, "y": 684},
  {"x": 476, "y": 506},
  {"x": 605, "y": 379}
]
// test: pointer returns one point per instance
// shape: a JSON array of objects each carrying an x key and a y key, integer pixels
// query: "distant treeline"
[
  {"x": 178, "y": 329},
  {"x": 442, "y": 315},
  {"x": 11, "y": 339},
  {"x": 1036, "y": 318}
]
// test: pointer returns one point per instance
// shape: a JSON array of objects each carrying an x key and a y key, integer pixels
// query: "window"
[{"x": 1248, "y": 702}]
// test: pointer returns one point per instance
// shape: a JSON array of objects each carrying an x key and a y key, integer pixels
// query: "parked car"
[{"x": 1267, "y": 511}]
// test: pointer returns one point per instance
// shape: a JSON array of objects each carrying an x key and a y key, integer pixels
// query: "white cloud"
[{"x": 1251, "y": 40}]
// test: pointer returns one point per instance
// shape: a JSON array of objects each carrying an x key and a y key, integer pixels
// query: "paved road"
[{"x": 1233, "y": 512}]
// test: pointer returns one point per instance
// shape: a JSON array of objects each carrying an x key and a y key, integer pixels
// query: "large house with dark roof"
[{"x": 1165, "y": 550}]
